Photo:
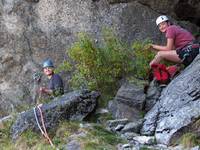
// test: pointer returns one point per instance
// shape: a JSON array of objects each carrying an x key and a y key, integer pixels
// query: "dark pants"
[{"x": 188, "y": 53}]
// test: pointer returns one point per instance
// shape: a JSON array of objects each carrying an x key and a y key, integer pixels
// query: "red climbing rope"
[
  {"x": 43, "y": 131},
  {"x": 44, "y": 127}
]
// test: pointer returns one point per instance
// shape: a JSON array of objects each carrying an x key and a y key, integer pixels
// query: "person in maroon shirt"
[{"x": 180, "y": 47}]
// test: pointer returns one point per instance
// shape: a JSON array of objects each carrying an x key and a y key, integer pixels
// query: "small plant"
[
  {"x": 65, "y": 65},
  {"x": 143, "y": 55},
  {"x": 189, "y": 140},
  {"x": 32, "y": 140},
  {"x": 99, "y": 138},
  {"x": 5, "y": 142}
]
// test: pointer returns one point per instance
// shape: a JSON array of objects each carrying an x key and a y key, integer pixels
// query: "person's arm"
[
  {"x": 46, "y": 90},
  {"x": 169, "y": 46}
]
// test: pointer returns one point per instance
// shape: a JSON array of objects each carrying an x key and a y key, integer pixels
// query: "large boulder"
[
  {"x": 177, "y": 108},
  {"x": 71, "y": 106},
  {"x": 153, "y": 92},
  {"x": 128, "y": 102}
]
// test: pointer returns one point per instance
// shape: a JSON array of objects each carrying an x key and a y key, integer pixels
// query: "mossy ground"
[
  {"x": 94, "y": 137},
  {"x": 189, "y": 140}
]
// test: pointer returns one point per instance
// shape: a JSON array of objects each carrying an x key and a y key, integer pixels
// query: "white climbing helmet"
[{"x": 161, "y": 19}]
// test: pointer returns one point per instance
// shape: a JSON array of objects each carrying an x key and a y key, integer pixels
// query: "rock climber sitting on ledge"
[
  {"x": 55, "y": 86},
  {"x": 180, "y": 47}
]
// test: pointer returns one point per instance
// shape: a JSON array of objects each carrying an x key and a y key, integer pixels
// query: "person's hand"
[
  {"x": 42, "y": 89},
  {"x": 149, "y": 47},
  {"x": 152, "y": 47},
  {"x": 45, "y": 90}
]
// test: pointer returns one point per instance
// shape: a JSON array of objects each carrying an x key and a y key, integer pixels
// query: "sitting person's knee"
[{"x": 159, "y": 55}]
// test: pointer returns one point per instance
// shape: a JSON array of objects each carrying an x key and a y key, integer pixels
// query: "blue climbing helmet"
[{"x": 48, "y": 63}]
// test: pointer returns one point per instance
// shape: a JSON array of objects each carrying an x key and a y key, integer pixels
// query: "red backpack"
[{"x": 160, "y": 73}]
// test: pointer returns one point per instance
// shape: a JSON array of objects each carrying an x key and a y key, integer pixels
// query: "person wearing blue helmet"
[{"x": 55, "y": 86}]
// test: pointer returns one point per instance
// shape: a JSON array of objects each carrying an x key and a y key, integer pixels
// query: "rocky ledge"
[{"x": 71, "y": 106}]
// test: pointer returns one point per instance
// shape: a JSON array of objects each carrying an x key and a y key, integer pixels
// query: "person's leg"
[{"x": 166, "y": 55}]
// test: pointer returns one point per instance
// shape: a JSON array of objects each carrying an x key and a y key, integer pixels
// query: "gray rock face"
[
  {"x": 177, "y": 108},
  {"x": 132, "y": 127},
  {"x": 72, "y": 106},
  {"x": 128, "y": 103},
  {"x": 73, "y": 145},
  {"x": 182, "y": 10},
  {"x": 178, "y": 9},
  {"x": 152, "y": 95},
  {"x": 131, "y": 95},
  {"x": 31, "y": 32}
]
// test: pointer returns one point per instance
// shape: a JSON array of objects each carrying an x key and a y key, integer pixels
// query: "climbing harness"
[
  {"x": 43, "y": 131},
  {"x": 189, "y": 52}
]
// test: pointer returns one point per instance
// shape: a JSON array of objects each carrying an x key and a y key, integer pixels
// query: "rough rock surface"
[
  {"x": 181, "y": 10},
  {"x": 72, "y": 106},
  {"x": 128, "y": 102},
  {"x": 30, "y": 32},
  {"x": 177, "y": 107},
  {"x": 152, "y": 95}
]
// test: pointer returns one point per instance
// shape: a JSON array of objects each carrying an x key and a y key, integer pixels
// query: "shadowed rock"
[
  {"x": 177, "y": 107},
  {"x": 128, "y": 103},
  {"x": 71, "y": 106}
]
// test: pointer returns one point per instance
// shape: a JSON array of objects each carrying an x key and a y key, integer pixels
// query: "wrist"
[{"x": 153, "y": 46}]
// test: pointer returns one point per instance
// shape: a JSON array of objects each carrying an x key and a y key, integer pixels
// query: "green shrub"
[
  {"x": 143, "y": 55},
  {"x": 64, "y": 66},
  {"x": 99, "y": 67}
]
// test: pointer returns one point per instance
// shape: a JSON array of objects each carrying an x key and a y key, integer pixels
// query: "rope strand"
[
  {"x": 44, "y": 128},
  {"x": 43, "y": 131}
]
